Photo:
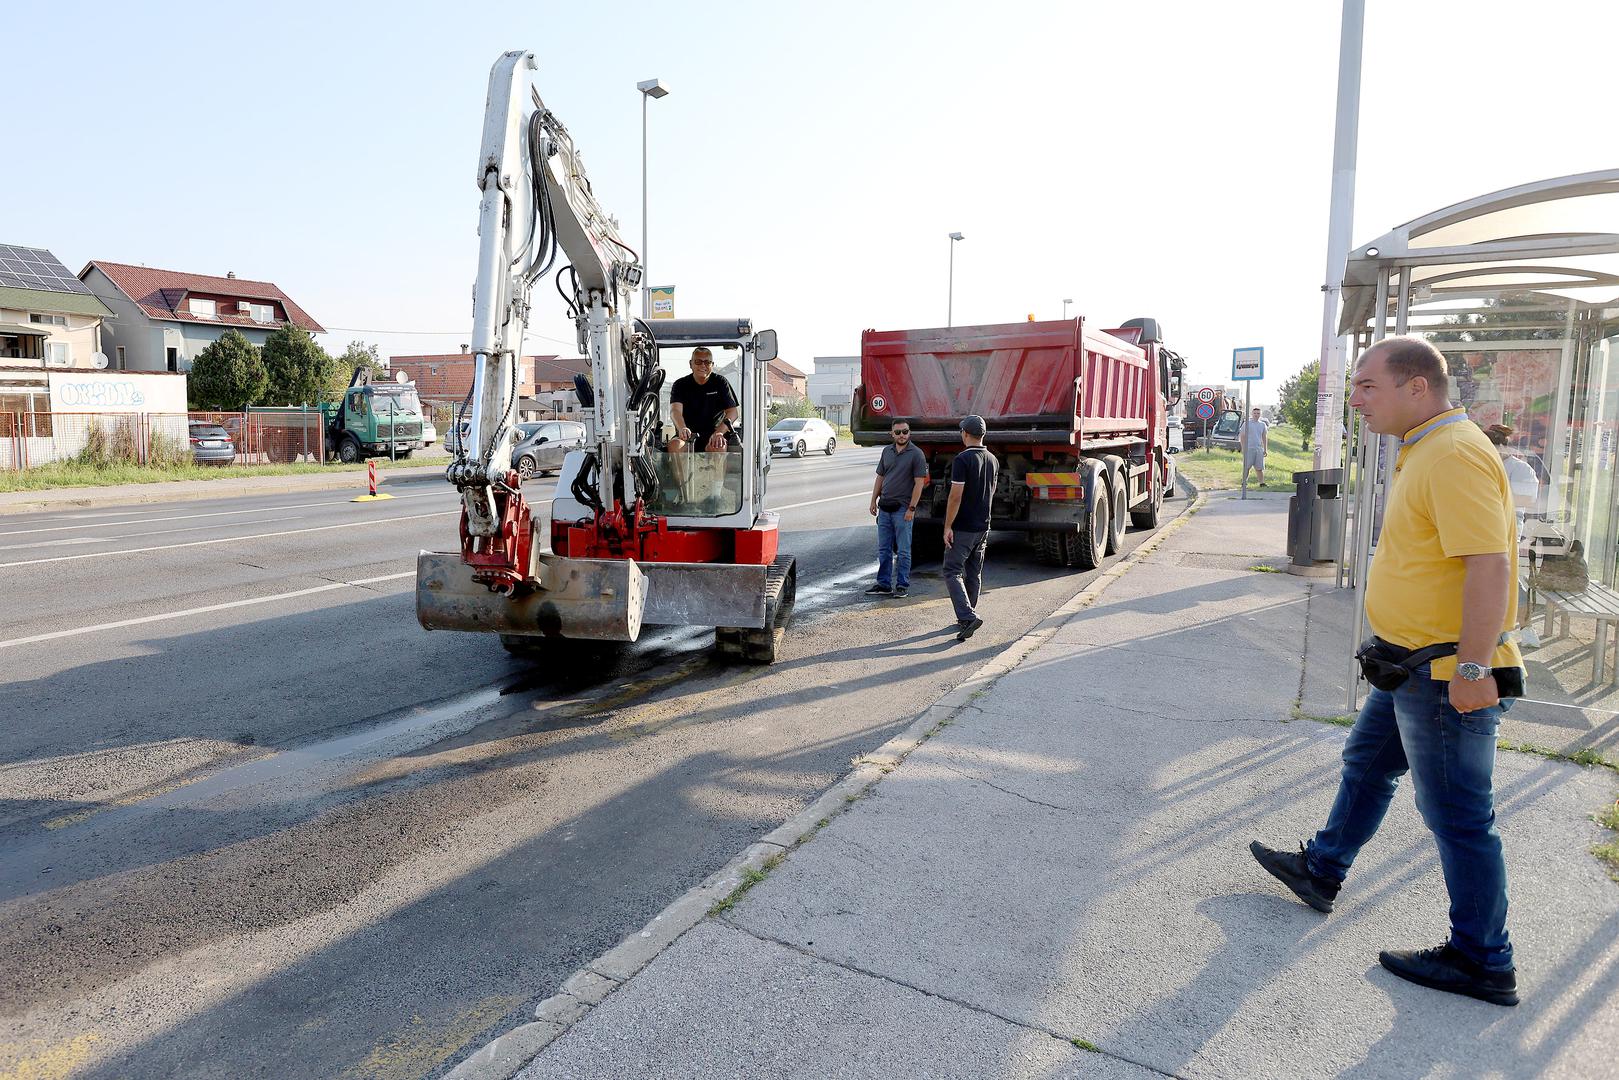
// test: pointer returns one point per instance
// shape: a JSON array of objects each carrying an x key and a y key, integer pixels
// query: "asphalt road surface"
[{"x": 254, "y": 821}]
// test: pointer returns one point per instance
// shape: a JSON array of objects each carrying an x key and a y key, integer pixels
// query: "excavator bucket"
[{"x": 580, "y": 599}]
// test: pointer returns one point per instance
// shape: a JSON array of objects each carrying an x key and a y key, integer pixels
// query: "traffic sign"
[
  {"x": 1248, "y": 365},
  {"x": 1205, "y": 393},
  {"x": 1205, "y": 411}
]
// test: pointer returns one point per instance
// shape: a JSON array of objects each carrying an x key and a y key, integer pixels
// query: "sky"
[{"x": 1171, "y": 160}]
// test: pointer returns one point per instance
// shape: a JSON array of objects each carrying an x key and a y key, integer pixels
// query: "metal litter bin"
[{"x": 1314, "y": 525}]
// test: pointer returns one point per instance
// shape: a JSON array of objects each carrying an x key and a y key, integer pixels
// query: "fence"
[{"x": 39, "y": 438}]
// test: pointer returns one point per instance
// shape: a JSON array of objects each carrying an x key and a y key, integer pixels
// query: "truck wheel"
[
  {"x": 1147, "y": 516},
  {"x": 348, "y": 451},
  {"x": 798, "y": 451},
  {"x": 1118, "y": 486},
  {"x": 1056, "y": 548},
  {"x": 761, "y": 646},
  {"x": 1095, "y": 529},
  {"x": 403, "y": 455}
]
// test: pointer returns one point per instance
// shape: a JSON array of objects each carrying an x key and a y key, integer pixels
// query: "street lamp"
[
  {"x": 650, "y": 88},
  {"x": 1065, "y": 304},
  {"x": 950, "y": 302}
]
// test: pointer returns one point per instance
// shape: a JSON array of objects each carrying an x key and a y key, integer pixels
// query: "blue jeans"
[
  {"x": 1451, "y": 757},
  {"x": 964, "y": 572},
  {"x": 893, "y": 545}
]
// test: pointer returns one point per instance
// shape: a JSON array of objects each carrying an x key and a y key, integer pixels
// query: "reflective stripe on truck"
[{"x": 1056, "y": 487}]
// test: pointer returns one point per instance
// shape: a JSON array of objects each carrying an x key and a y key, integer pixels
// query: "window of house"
[
  {"x": 262, "y": 312},
  {"x": 206, "y": 309},
  {"x": 120, "y": 358},
  {"x": 47, "y": 320},
  {"x": 58, "y": 354},
  {"x": 174, "y": 359}
]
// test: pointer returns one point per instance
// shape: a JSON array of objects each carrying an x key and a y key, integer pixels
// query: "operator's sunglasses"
[{"x": 703, "y": 363}]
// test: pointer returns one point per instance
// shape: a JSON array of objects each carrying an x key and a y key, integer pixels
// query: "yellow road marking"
[
  {"x": 423, "y": 1046},
  {"x": 50, "y": 1063}
]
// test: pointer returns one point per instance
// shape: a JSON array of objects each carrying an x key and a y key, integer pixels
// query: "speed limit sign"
[{"x": 1205, "y": 393}]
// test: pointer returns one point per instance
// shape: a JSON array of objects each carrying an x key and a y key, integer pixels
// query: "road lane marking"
[
  {"x": 813, "y": 502},
  {"x": 227, "y": 539},
  {"x": 358, "y": 583},
  {"x": 212, "y": 514}
]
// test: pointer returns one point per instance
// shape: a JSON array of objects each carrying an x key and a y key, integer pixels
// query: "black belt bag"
[{"x": 1387, "y": 666}]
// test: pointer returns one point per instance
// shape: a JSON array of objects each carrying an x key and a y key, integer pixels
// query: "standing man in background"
[
  {"x": 966, "y": 524},
  {"x": 902, "y": 475},
  {"x": 1254, "y": 439}
]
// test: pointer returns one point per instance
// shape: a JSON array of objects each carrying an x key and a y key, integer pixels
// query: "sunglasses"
[
  {"x": 902, "y": 431},
  {"x": 703, "y": 363}
]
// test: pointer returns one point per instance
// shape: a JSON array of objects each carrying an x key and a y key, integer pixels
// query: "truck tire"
[
  {"x": 761, "y": 646},
  {"x": 1057, "y": 548},
  {"x": 1147, "y": 516},
  {"x": 1091, "y": 541},
  {"x": 403, "y": 455},
  {"x": 1118, "y": 487},
  {"x": 348, "y": 452}
]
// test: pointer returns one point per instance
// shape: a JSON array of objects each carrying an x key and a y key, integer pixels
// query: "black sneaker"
[
  {"x": 879, "y": 590},
  {"x": 1291, "y": 869},
  {"x": 902, "y": 591},
  {"x": 1444, "y": 967},
  {"x": 968, "y": 629}
]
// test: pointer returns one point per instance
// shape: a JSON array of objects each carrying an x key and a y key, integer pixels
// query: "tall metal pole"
[
  {"x": 1329, "y": 404},
  {"x": 950, "y": 300},
  {"x": 646, "y": 280}
]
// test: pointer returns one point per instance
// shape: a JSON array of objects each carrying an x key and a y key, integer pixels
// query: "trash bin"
[{"x": 1314, "y": 524}]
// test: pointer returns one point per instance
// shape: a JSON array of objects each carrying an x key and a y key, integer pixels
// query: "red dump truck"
[{"x": 1077, "y": 419}]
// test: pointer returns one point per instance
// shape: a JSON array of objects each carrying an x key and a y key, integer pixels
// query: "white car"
[
  {"x": 798, "y": 435},
  {"x": 1176, "y": 437}
]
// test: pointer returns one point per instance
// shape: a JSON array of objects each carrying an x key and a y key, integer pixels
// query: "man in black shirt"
[
  {"x": 703, "y": 407},
  {"x": 966, "y": 524}
]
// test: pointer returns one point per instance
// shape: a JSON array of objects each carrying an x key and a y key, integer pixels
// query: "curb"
[
  {"x": 506, "y": 1055},
  {"x": 77, "y": 498}
]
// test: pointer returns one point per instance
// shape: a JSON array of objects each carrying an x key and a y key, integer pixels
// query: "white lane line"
[
  {"x": 228, "y": 539},
  {"x": 360, "y": 583},
  {"x": 217, "y": 513},
  {"x": 818, "y": 502}
]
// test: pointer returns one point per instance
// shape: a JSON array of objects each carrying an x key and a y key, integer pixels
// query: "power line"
[{"x": 435, "y": 333}]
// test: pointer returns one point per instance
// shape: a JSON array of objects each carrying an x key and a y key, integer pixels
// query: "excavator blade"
[{"x": 580, "y": 599}]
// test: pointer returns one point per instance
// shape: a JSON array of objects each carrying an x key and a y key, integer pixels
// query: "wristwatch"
[{"x": 1472, "y": 672}]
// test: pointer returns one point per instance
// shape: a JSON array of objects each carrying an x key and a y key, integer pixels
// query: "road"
[{"x": 254, "y": 821}]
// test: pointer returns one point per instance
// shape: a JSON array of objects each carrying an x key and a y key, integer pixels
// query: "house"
[
  {"x": 49, "y": 322},
  {"x": 164, "y": 318},
  {"x": 787, "y": 383},
  {"x": 544, "y": 383},
  {"x": 831, "y": 388}
]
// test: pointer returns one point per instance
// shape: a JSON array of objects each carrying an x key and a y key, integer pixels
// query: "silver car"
[{"x": 543, "y": 444}]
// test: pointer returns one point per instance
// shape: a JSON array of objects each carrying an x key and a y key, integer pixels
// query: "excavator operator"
[{"x": 704, "y": 408}]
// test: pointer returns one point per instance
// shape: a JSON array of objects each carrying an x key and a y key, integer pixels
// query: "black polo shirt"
[{"x": 702, "y": 405}]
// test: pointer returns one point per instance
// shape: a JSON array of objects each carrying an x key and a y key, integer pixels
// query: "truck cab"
[{"x": 374, "y": 420}]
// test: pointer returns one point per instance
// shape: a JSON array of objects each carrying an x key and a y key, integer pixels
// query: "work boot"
[
  {"x": 1293, "y": 870},
  {"x": 1444, "y": 967},
  {"x": 968, "y": 629}
]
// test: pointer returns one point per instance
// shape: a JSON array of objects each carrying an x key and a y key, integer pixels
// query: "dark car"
[
  {"x": 211, "y": 444},
  {"x": 543, "y": 445}
]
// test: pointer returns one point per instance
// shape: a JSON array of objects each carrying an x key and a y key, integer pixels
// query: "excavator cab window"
[{"x": 698, "y": 482}]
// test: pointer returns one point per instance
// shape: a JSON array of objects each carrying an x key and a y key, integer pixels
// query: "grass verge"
[
  {"x": 750, "y": 878},
  {"x": 1215, "y": 470},
  {"x": 1609, "y": 852},
  {"x": 66, "y": 474}
]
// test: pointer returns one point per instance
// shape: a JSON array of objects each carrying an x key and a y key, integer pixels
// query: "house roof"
[
  {"x": 53, "y": 302},
  {"x": 161, "y": 293},
  {"x": 558, "y": 369},
  {"x": 782, "y": 367}
]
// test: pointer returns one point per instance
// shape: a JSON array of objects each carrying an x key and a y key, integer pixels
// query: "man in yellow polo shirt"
[{"x": 1443, "y": 573}]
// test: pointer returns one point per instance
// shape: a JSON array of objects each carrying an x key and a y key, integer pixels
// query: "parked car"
[
  {"x": 1223, "y": 435},
  {"x": 429, "y": 432},
  {"x": 211, "y": 444},
  {"x": 543, "y": 444},
  {"x": 1175, "y": 440},
  {"x": 798, "y": 435}
]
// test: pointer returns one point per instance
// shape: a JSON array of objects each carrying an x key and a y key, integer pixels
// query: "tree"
[
  {"x": 798, "y": 406},
  {"x": 1298, "y": 395},
  {"x": 298, "y": 369},
  {"x": 357, "y": 355},
  {"x": 228, "y": 374}
]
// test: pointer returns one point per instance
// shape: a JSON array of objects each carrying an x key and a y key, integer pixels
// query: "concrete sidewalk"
[
  {"x": 1056, "y": 883},
  {"x": 47, "y": 499}
]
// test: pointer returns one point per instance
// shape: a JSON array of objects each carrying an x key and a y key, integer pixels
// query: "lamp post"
[
  {"x": 950, "y": 300},
  {"x": 650, "y": 88},
  {"x": 1065, "y": 304}
]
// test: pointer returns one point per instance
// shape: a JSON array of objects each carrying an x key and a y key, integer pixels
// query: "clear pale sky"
[{"x": 1169, "y": 159}]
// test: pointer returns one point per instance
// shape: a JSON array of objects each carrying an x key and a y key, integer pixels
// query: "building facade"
[
  {"x": 164, "y": 318},
  {"x": 49, "y": 322},
  {"x": 831, "y": 387}
]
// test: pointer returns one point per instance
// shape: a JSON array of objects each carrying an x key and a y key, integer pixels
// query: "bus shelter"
[{"x": 1519, "y": 289}]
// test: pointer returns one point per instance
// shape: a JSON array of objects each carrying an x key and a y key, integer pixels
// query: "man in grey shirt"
[
  {"x": 1254, "y": 438},
  {"x": 902, "y": 474}
]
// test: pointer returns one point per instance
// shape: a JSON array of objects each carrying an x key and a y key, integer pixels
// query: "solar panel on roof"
[{"x": 36, "y": 268}]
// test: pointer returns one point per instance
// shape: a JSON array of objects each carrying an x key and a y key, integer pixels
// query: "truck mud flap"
[{"x": 580, "y": 599}]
